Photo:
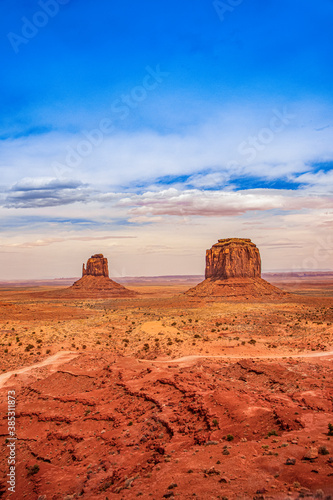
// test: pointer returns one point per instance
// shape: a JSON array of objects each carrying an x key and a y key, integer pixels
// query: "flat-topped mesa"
[
  {"x": 233, "y": 270},
  {"x": 97, "y": 265},
  {"x": 233, "y": 258}
]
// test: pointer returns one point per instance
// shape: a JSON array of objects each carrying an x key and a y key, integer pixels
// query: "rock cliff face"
[
  {"x": 233, "y": 270},
  {"x": 95, "y": 281},
  {"x": 97, "y": 265},
  {"x": 233, "y": 258}
]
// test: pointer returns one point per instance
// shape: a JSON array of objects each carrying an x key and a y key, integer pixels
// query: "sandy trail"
[
  {"x": 234, "y": 356},
  {"x": 55, "y": 360},
  {"x": 64, "y": 356}
]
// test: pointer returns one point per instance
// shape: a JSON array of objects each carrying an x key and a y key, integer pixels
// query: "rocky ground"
[{"x": 163, "y": 395}]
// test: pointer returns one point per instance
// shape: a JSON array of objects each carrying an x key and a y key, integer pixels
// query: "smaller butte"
[
  {"x": 95, "y": 281},
  {"x": 233, "y": 269}
]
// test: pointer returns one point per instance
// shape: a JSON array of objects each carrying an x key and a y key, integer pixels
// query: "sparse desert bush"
[
  {"x": 29, "y": 347},
  {"x": 32, "y": 470},
  {"x": 330, "y": 429},
  {"x": 230, "y": 437},
  {"x": 252, "y": 342},
  {"x": 272, "y": 433},
  {"x": 322, "y": 450}
]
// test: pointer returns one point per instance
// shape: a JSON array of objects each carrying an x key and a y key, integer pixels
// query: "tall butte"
[
  {"x": 233, "y": 269},
  {"x": 95, "y": 280}
]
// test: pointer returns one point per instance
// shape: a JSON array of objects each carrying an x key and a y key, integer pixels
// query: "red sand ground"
[{"x": 124, "y": 417}]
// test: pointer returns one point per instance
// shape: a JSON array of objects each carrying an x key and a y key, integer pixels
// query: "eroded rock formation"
[
  {"x": 95, "y": 281},
  {"x": 233, "y": 258},
  {"x": 233, "y": 269},
  {"x": 97, "y": 265}
]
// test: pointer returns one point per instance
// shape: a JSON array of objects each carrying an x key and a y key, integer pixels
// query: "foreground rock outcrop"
[
  {"x": 95, "y": 280},
  {"x": 111, "y": 427},
  {"x": 233, "y": 269}
]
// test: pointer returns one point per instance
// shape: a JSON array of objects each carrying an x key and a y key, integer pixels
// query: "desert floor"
[{"x": 164, "y": 395}]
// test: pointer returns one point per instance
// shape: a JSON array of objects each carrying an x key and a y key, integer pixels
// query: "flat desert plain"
[{"x": 163, "y": 395}]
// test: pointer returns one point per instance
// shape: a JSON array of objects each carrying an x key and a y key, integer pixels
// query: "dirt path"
[
  {"x": 234, "y": 356},
  {"x": 55, "y": 360},
  {"x": 63, "y": 356}
]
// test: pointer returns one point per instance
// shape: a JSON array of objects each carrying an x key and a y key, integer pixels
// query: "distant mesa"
[
  {"x": 95, "y": 280},
  {"x": 233, "y": 269}
]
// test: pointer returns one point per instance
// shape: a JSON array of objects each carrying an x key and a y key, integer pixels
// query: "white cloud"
[
  {"x": 50, "y": 241},
  {"x": 218, "y": 203},
  {"x": 133, "y": 157}
]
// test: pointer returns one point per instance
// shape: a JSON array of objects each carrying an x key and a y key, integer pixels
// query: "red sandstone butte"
[
  {"x": 97, "y": 265},
  {"x": 233, "y": 269},
  {"x": 95, "y": 281}
]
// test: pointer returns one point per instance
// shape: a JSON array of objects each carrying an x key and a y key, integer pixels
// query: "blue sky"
[{"x": 170, "y": 124}]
